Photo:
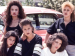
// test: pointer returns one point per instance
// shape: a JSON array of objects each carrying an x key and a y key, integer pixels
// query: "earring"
[
  {"x": 14, "y": 43},
  {"x": 18, "y": 14}
]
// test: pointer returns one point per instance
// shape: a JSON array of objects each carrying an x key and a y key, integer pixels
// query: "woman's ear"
[
  {"x": 32, "y": 29},
  {"x": 72, "y": 11}
]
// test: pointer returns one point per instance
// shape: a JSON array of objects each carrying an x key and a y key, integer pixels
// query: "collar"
[
  {"x": 7, "y": 49},
  {"x": 62, "y": 21}
]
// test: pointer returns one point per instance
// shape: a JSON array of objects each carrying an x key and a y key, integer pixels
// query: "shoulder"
[
  {"x": 60, "y": 19},
  {"x": 20, "y": 40},
  {"x": 46, "y": 50},
  {"x": 21, "y": 19},
  {"x": 37, "y": 37},
  {"x": 63, "y": 52},
  {"x": 1, "y": 44}
]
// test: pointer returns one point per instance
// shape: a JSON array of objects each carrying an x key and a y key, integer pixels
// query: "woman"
[
  {"x": 56, "y": 45},
  {"x": 9, "y": 42},
  {"x": 14, "y": 14},
  {"x": 65, "y": 25},
  {"x": 31, "y": 42},
  {"x": 74, "y": 11}
]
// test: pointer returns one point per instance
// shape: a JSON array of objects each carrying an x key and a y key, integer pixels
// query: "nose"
[
  {"x": 14, "y": 10},
  {"x": 27, "y": 31},
  {"x": 58, "y": 44},
  {"x": 12, "y": 41}
]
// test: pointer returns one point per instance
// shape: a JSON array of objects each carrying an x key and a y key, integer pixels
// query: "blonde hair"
[{"x": 69, "y": 4}]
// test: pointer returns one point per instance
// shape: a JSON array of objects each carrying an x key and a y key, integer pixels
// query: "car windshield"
[{"x": 45, "y": 20}]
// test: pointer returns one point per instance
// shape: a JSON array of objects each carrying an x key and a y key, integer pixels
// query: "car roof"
[
  {"x": 39, "y": 10},
  {"x": 33, "y": 10}
]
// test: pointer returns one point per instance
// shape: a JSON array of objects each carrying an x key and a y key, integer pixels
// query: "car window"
[
  {"x": 31, "y": 17},
  {"x": 45, "y": 20}
]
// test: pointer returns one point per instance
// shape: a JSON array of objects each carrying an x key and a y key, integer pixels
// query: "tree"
[
  {"x": 28, "y": 3},
  {"x": 2, "y": 2},
  {"x": 7, "y": 1},
  {"x": 55, "y": 4},
  {"x": 52, "y": 4}
]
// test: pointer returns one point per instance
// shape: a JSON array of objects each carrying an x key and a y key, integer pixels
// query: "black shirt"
[
  {"x": 31, "y": 48},
  {"x": 13, "y": 28},
  {"x": 68, "y": 30}
]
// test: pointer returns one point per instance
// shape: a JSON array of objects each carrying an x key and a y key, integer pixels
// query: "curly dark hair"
[
  {"x": 21, "y": 15},
  {"x": 3, "y": 48},
  {"x": 60, "y": 36}
]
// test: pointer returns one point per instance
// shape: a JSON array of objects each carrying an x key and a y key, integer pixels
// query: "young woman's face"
[
  {"x": 67, "y": 11},
  {"x": 11, "y": 41},
  {"x": 56, "y": 44},
  {"x": 27, "y": 30},
  {"x": 14, "y": 10}
]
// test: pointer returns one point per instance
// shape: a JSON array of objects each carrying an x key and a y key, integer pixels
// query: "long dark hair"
[
  {"x": 3, "y": 48},
  {"x": 7, "y": 12}
]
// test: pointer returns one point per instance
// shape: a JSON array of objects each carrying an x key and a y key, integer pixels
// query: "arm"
[
  {"x": 50, "y": 30},
  {"x": 4, "y": 21},
  {"x": 3, "y": 33},
  {"x": 42, "y": 53},
  {"x": 4, "y": 30},
  {"x": 23, "y": 37},
  {"x": 46, "y": 37},
  {"x": 18, "y": 50},
  {"x": 37, "y": 47}
]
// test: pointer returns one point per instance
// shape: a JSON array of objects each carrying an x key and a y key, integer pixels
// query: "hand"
[
  {"x": 2, "y": 38},
  {"x": 50, "y": 36},
  {"x": 23, "y": 37},
  {"x": 44, "y": 45}
]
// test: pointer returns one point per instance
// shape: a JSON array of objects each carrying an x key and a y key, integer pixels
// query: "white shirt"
[
  {"x": 46, "y": 52},
  {"x": 7, "y": 49}
]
